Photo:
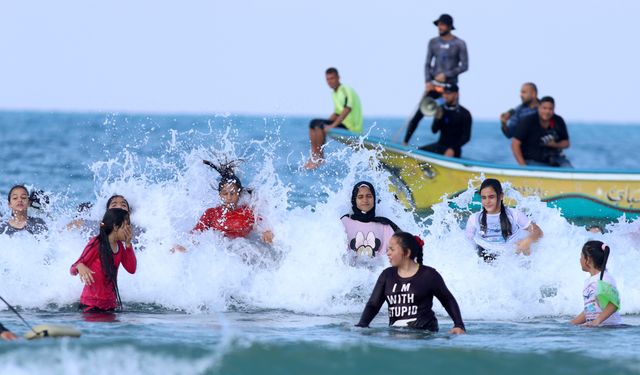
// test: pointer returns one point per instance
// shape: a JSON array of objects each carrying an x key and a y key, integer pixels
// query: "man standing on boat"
[
  {"x": 447, "y": 58},
  {"x": 347, "y": 114},
  {"x": 510, "y": 119},
  {"x": 541, "y": 138},
  {"x": 453, "y": 121}
]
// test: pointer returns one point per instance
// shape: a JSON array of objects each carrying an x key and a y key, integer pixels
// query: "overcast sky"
[{"x": 269, "y": 57}]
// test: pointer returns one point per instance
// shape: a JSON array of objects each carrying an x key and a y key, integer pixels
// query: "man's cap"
[
  {"x": 446, "y": 19},
  {"x": 450, "y": 87}
]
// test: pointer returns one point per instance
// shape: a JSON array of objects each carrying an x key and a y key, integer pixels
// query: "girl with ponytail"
[
  {"x": 98, "y": 264},
  {"x": 497, "y": 225},
  {"x": 600, "y": 293},
  {"x": 408, "y": 286}
]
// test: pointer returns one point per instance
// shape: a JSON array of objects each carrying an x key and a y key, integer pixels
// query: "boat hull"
[{"x": 602, "y": 194}]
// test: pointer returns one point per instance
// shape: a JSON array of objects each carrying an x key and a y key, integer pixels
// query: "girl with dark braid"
[
  {"x": 497, "y": 225},
  {"x": 98, "y": 264}
]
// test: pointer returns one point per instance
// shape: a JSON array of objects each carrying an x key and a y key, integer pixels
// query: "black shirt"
[
  {"x": 454, "y": 127},
  {"x": 410, "y": 299},
  {"x": 532, "y": 135},
  {"x": 2, "y": 328}
]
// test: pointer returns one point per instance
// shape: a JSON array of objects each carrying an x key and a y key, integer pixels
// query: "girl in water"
[
  {"x": 367, "y": 234},
  {"x": 497, "y": 225},
  {"x": 409, "y": 287},
  {"x": 600, "y": 293},
  {"x": 99, "y": 262},
  {"x": 229, "y": 218},
  {"x": 19, "y": 204},
  {"x": 115, "y": 201}
]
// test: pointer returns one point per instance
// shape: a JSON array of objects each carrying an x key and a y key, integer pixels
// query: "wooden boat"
[{"x": 601, "y": 194}]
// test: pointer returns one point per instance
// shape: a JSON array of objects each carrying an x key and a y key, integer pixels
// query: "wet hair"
[
  {"x": 548, "y": 99},
  {"x": 14, "y": 187},
  {"x": 533, "y": 86},
  {"x": 38, "y": 199},
  {"x": 598, "y": 251},
  {"x": 409, "y": 242},
  {"x": 114, "y": 196},
  {"x": 227, "y": 173},
  {"x": 505, "y": 224},
  {"x": 85, "y": 206},
  {"x": 331, "y": 70},
  {"x": 114, "y": 217}
]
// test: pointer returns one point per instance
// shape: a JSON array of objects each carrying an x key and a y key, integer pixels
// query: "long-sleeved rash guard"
[
  {"x": 410, "y": 299},
  {"x": 101, "y": 294}
]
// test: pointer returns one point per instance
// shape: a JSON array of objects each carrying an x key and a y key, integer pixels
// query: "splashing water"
[{"x": 306, "y": 269}]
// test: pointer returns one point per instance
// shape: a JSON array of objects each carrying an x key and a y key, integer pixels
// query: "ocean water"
[{"x": 239, "y": 306}]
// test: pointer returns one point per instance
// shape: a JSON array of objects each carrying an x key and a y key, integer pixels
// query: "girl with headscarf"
[{"x": 367, "y": 233}]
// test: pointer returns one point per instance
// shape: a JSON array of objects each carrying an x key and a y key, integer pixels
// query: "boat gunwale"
[{"x": 473, "y": 166}]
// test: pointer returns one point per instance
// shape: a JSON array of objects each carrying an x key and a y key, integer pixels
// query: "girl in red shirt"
[
  {"x": 98, "y": 264},
  {"x": 231, "y": 219}
]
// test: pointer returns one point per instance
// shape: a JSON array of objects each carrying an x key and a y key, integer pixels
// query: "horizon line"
[{"x": 255, "y": 114}]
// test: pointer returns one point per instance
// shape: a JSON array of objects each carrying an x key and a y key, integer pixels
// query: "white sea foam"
[
  {"x": 306, "y": 269},
  {"x": 106, "y": 360}
]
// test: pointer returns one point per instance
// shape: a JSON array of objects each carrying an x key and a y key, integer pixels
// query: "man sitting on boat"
[
  {"x": 447, "y": 58},
  {"x": 347, "y": 114},
  {"x": 453, "y": 121},
  {"x": 509, "y": 120},
  {"x": 540, "y": 139}
]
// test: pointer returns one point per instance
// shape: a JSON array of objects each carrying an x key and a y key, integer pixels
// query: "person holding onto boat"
[
  {"x": 496, "y": 227},
  {"x": 20, "y": 221},
  {"x": 509, "y": 120},
  {"x": 453, "y": 121},
  {"x": 408, "y": 287},
  {"x": 367, "y": 234},
  {"x": 347, "y": 114},
  {"x": 447, "y": 58},
  {"x": 600, "y": 293},
  {"x": 232, "y": 219},
  {"x": 5, "y": 334},
  {"x": 541, "y": 138},
  {"x": 99, "y": 262}
]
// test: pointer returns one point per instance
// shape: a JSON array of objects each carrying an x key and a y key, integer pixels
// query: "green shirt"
[{"x": 347, "y": 97}]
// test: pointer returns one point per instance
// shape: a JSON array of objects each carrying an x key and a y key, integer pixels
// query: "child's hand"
[
  {"x": 86, "y": 275},
  {"x": 127, "y": 234},
  {"x": 178, "y": 248},
  {"x": 524, "y": 246},
  {"x": 457, "y": 331},
  {"x": 578, "y": 320},
  {"x": 267, "y": 237}
]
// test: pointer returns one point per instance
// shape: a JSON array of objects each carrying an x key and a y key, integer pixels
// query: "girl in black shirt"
[{"x": 408, "y": 287}]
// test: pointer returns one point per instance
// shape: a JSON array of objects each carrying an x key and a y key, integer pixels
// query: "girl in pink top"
[{"x": 367, "y": 233}]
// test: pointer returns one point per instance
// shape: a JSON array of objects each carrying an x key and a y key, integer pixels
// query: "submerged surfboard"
[{"x": 50, "y": 330}]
